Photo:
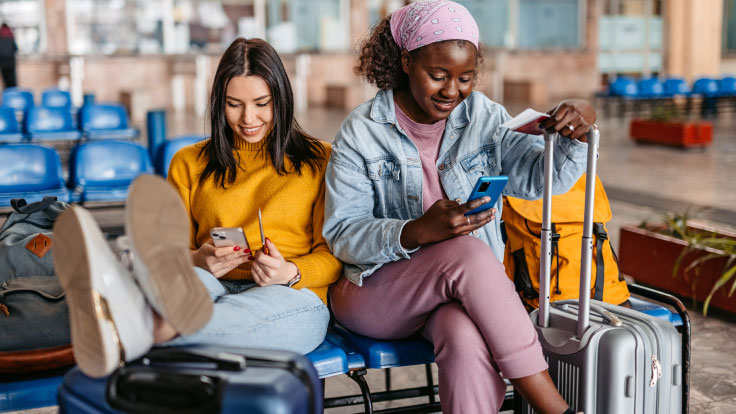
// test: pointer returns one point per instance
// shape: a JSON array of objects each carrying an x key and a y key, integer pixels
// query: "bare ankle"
[{"x": 540, "y": 392}]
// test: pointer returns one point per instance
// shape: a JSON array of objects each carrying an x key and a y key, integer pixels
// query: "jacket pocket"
[
  {"x": 385, "y": 175},
  {"x": 478, "y": 164}
]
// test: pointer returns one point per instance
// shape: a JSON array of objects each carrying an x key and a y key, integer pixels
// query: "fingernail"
[
  {"x": 268, "y": 240},
  {"x": 251, "y": 258},
  {"x": 246, "y": 251},
  {"x": 236, "y": 248}
]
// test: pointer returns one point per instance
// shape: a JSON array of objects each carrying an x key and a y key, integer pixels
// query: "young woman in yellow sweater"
[{"x": 272, "y": 296}]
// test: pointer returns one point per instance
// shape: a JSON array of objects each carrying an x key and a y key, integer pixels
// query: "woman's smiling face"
[
  {"x": 440, "y": 77},
  {"x": 249, "y": 107}
]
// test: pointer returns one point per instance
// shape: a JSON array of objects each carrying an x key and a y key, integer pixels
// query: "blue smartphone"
[{"x": 487, "y": 187}]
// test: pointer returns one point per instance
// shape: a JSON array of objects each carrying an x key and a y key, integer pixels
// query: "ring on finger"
[
  {"x": 467, "y": 217},
  {"x": 571, "y": 128}
]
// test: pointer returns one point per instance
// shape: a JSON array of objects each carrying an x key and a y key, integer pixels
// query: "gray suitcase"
[{"x": 605, "y": 359}]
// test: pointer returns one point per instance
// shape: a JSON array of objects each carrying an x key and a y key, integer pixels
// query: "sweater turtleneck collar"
[{"x": 243, "y": 145}]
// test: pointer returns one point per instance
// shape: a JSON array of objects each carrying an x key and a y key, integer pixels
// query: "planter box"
[
  {"x": 650, "y": 257},
  {"x": 679, "y": 134}
]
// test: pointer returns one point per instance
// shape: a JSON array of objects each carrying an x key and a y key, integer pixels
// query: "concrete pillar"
[
  {"x": 692, "y": 37},
  {"x": 359, "y": 22},
  {"x": 54, "y": 13}
]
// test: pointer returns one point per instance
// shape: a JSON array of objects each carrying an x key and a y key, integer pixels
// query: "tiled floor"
[{"x": 643, "y": 182}]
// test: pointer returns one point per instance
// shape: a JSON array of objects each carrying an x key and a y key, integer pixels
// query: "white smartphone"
[{"x": 229, "y": 236}]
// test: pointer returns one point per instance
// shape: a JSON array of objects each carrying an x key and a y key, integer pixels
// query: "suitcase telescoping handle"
[{"x": 587, "y": 242}]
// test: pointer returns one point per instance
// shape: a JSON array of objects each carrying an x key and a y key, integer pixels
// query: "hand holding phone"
[
  {"x": 229, "y": 236},
  {"x": 487, "y": 187}
]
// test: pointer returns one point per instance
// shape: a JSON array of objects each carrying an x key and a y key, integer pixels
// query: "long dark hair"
[{"x": 247, "y": 57}]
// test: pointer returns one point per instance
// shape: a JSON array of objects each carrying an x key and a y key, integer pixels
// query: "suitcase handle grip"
[
  {"x": 609, "y": 317},
  {"x": 142, "y": 390},
  {"x": 223, "y": 360}
]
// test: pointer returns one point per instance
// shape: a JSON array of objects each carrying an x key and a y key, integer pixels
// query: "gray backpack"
[{"x": 33, "y": 311}]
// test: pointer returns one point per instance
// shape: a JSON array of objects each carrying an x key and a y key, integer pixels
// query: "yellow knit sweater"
[{"x": 292, "y": 208}]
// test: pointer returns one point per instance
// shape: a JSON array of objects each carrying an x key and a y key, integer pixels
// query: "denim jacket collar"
[{"x": 383, "y": 111}]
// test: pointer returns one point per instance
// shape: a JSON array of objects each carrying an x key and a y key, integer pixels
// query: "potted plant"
[
  {"x": 683, "y": 258},
  {"x": 665, "y": 126}
]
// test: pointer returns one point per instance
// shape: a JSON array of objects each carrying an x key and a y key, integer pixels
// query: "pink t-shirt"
[{"x": 427, "y": 138}]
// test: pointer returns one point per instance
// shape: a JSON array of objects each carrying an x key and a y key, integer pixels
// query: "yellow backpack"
[{"x": 523, "y": 222}]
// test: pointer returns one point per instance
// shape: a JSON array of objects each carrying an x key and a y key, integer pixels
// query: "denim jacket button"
[
  {"x": 442, "y": 166},
  {"x": 475, "y": 232},
  {"x": 459, "y": 201}
]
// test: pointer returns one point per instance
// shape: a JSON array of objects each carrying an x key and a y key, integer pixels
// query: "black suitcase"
[{"x": 199, "y": 380}]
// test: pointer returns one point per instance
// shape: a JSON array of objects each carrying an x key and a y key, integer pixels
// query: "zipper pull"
[
  {"x": 656, "y": 371},
  {"x": 4, "y": 309}
]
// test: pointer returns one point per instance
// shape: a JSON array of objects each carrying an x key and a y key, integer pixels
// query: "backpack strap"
[
  {"x": 556, "y": 252},
  {"x": 522, "y": 278},
  {"x": 601, "y": 236},
  {"x": 20, "y": 205}
]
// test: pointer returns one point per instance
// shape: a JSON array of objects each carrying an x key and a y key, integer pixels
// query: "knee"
[{"x": 473, "y": 256}]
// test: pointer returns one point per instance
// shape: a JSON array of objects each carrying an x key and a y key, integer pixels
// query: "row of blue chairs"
[
  {"x": 653, "y": 87},
  {"x": 22, "y": 99},
  {"x": 98, "y": 170},
  {"x": 41, "y": 123}
]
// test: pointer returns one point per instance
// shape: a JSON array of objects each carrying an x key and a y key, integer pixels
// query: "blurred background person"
[{"x": 8, "y": 48}]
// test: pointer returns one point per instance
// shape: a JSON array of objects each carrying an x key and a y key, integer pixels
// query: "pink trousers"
[{"x": 457, "y": 295}]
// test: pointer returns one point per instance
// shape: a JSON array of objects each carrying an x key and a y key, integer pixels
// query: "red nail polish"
[
  {"x": 251, "y": 258},
  {"x": 267, "y": 239},
  {"x": 236, "y": 248},
  {"x": 246, "y": 251}
]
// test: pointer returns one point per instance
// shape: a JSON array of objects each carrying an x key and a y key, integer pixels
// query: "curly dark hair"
[{"x": 379, "y": 61}]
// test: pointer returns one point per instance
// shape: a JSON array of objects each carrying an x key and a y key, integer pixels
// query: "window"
[
  {"x": 115, "y": 26},
  {"x": 630, "y": 37},
  {"x": 729, "y": 26},
  {"x": 528, "y": 24},
  {"x": 25, "y": 18}
]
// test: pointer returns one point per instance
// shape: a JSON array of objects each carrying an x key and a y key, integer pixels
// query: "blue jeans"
[{"x": 272, "y": 317}]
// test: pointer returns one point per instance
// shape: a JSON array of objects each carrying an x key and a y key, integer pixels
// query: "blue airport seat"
[
  {"x": 56, "y": 98},
  {"x": 106, "y": 121},
  {"x": 623, "y": 86},
  {"x": 387, "y": 354},
  {"x": 705, "y": 86},
  {"x": 675, "y": 87},
  {"x": 354, "y": 359},
  {"x": 9, "y": 128},
  {"x": 329, "y": 359},
  {"x": 50, "y": 124},
  {"x": 727, "y": 86},
  {"x": 21, "y": 100},
  {"x": 103, "y": 170},
  {"x": 31, "y": 172},
  {"x": 28, "y": 394},
  {"x": 167, "y": 149},
  {"x": 649, "y": 88}
]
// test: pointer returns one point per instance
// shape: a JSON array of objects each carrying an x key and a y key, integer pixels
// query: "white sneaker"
[
  {"x": 110, "y": 319},
  {"x": 158, "y": 227}
]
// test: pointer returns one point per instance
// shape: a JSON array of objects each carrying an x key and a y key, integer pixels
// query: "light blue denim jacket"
[{"x": 374, "y": 176}]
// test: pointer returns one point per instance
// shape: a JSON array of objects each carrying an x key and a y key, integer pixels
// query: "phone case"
[
  {"x": 229, "y": 236},
  {"x": 487, "y": 186}
]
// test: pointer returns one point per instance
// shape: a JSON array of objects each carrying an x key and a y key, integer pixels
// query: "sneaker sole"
[
  {"x": 158, "y": 226},
  {"x": 91, "y": 325}
]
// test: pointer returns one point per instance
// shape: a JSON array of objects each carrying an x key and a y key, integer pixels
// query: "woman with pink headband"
[{"x": 402, "y": 167}]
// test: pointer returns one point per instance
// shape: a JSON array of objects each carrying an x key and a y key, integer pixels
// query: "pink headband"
[{"x": 425, "y": 22}]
